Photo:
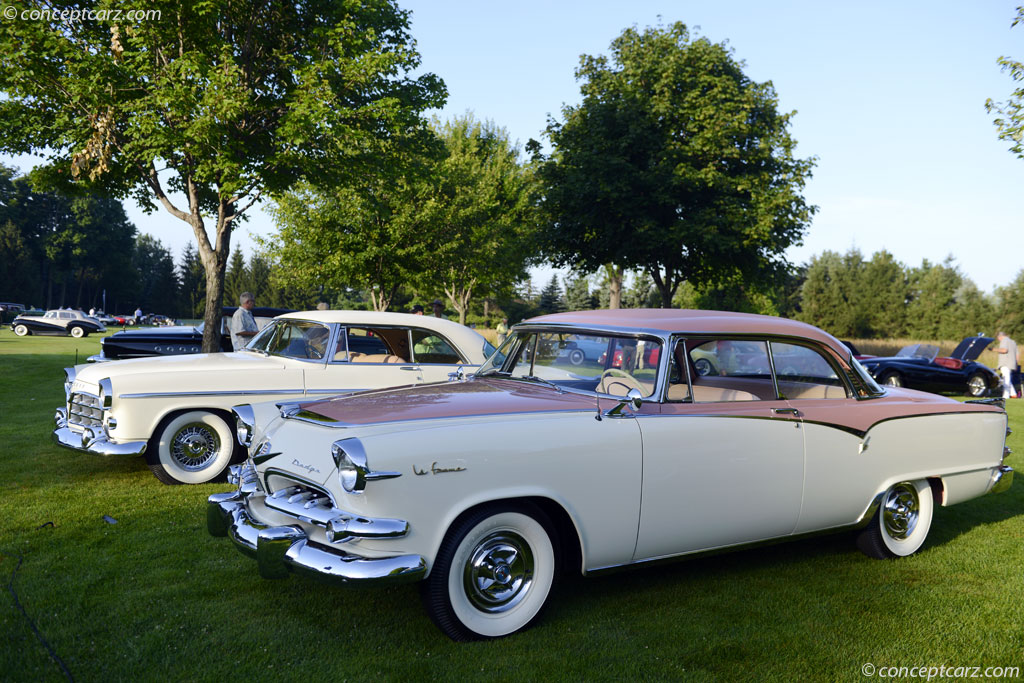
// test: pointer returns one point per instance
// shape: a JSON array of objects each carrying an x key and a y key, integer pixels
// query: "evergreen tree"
[
  {"x": 158, "y": 292},
  {"x": 193, "y": 282},
  {"x": 236, "y": 279},
  {"x": 577, "y": 294},
  {"x": 551, "y": 300}
]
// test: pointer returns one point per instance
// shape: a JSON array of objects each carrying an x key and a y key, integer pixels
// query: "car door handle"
[
  {"x": 789, "y": 411},
  {"x": 409, "y": 367}
]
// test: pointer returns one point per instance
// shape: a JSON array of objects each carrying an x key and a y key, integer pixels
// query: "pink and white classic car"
[{"x": 484, "y": 488}]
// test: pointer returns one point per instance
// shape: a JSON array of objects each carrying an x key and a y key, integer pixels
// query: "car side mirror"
[{"x": 633, "y": 398}]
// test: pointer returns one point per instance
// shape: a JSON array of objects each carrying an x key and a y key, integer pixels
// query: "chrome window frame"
[
  {"x": 840, "y": 374},
  {"x": 602, "y": 331}
]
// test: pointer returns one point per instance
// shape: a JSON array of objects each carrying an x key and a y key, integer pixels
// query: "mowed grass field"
[{"x": 153, "y": 597}]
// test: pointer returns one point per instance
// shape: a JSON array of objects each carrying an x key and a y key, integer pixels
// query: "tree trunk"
[
  {"x": 614, "y": 274},
  {"x": 214, "y": 302}
]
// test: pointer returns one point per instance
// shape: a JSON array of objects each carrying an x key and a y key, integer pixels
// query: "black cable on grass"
[{"x": 17, "y": 603}]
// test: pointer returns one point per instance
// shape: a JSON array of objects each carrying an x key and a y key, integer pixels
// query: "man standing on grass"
[
  {"x": 1006, "y": 353},
  {"x": 243, "y": 325}
]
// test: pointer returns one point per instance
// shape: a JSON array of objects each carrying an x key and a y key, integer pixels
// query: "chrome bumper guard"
[
  {"x": 280, "y": 550},
  {"x": 1002, "y": 478},
  {"x": 89, "y": 440}
]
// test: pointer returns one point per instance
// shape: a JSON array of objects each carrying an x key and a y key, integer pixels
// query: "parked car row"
[{"x": 384, "y": 448}]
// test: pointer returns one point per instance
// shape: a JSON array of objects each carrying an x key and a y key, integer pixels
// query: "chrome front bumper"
[
  {"x": 91, "y": 441},
  {"x": 280, "y": 550}
]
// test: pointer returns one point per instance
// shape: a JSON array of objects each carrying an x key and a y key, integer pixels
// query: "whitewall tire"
[
  {"x": 21, "y": 330},
  {"x": 78, "y": 332},
  {"x": 902, "y": 522},
  {"x": 493, "y": 573},
  {"x": 192, "y": 448}
]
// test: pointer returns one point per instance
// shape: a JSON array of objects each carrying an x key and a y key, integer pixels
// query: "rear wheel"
[
  {"x": 192, "y": 448},
  {"x": 576, "y": 357},
  {"x": 21, "y": 330},
  {"x": 976, "y": 385},
  {"x": 493, "y": 573},
  {"x": 902, "y": 522},
  {"x": 703, "y": 366}
]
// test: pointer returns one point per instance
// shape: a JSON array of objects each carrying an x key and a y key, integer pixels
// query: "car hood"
[
  {"x": 971, "y": 348},
  {"x": 205, "y": 363},
  {"x": 156, "y": 332},
  {"x": 476, "y": 397}
]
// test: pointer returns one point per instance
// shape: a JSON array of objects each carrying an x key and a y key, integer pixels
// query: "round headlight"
[
  {"x": 106, "y": 393},
  {"x": 348, "y": 472},
  {"x": 245, "y": 424}
]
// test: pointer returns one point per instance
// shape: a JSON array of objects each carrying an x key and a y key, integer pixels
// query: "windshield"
[
  {"x": 926, "y": 351},
  {"x": 606, "y": 364},
  {"x": 292, "y": 339}
]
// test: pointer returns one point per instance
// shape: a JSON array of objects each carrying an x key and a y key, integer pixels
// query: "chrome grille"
[
  {"x": 84, "y": 410},
  {"x": 303, "y": 502}
]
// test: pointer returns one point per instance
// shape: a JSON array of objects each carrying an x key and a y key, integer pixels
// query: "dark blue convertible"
[{"x": 919, "y": 366}]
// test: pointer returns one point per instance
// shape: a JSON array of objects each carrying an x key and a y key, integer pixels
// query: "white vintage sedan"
[
  {"x": 484, "y": 489},
  {"x": 176, "y": 410}
]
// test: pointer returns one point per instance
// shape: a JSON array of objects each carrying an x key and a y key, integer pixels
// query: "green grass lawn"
[{"x": 154, "y": 597}]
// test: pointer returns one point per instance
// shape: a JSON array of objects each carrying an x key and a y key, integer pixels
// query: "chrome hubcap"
[
  {"x": 194, "y": 446},
  {"x": 892, "y": 381},
  {"x": 901, "y": 511},
  {"x": 499, "y": 573},
  {"x": 977, "y": 385}
]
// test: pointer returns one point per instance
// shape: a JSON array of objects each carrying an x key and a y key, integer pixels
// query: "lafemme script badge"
[{"x": 435, "y": 469}]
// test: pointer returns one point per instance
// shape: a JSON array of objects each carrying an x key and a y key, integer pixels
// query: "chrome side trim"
[
  {"x": 253, "y": 392},
  {"x": 313, "y": 418}
]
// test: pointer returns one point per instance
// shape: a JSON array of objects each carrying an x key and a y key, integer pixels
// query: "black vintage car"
[
  {"x": 919, "y": 366},
  {"x": 174, "y": 340}
]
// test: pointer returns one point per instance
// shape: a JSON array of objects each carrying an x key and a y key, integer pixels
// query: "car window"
[
  {"x": 603, "y": 364},
  {"x": 293, "y": 339},
  {"x": 50, "y": 314},
  {"x": 66, "y": 315},
  {"x": 430, "y": 347},
  {"x": 804, "y": 373},
  {"x": 722, "y": 369},
  {"x": 361, "y": 345}
]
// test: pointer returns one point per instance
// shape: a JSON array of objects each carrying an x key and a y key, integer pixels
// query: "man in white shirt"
[{"x": 243, "y": 324}]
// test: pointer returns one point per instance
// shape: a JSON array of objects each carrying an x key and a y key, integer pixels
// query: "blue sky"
[{"x": 889, "y": 96}]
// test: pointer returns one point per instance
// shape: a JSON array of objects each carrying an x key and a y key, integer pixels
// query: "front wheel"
[
  {"x": 576, "y": 357},
  {"x": 493, "y": 573},
  {"x": 976, "y": 385},
  {"x": 78, "y": 332},
  {"x": 902, "y": 522},
  {"x": 21, "y": 330},
  {"x": 192, "y": 448}
]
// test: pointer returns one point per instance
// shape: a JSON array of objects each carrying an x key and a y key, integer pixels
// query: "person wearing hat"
[
  {"x": 438, "y": 308},
  {"x": 417, "y": 309}
]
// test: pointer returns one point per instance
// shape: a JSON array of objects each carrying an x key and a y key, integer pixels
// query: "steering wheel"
[{"x": 616, "y": 377}]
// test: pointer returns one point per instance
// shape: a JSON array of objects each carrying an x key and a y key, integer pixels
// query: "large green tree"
[
  {"x": 674, "y": 163},
  {"x": 477, "y": 205},
  {"x": 206, "y": 107},
  {"x": 1010, "y": 114},
  {"x": 364, "y": 236}
]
